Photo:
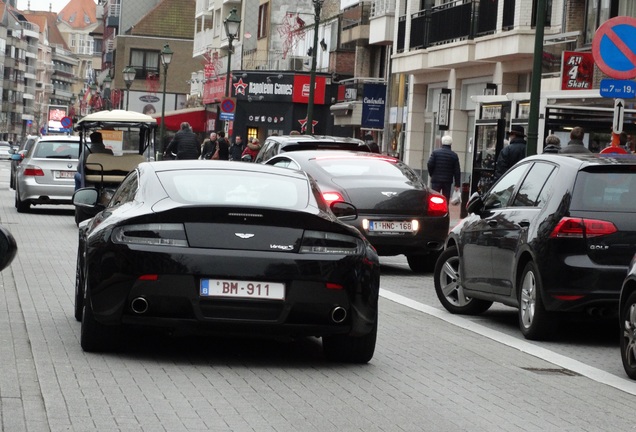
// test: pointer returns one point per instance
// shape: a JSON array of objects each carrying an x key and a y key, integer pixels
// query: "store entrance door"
[{"x": 489, "y": 140}]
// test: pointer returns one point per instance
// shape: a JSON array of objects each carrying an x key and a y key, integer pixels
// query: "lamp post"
[
  {"x": 231, "y": 24},
  {"x": 93, "y": 89},
  {"x": 309, "y": 126},
  {"x": 535, "y": 86},
  {"x": 106, "y": 86},
  {"x": 166, "y": 58},
  {"x": 129, "y": 76},
  {"x": 81, "y": 102}
]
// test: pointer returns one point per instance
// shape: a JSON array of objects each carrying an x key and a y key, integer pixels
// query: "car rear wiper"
[{"x": 59, "y": 157}]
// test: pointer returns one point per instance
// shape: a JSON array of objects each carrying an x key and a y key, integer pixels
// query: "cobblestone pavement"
[{"x": 427, "y": 374}]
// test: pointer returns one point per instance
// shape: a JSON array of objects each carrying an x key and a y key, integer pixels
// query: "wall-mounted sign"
[
  {"x": 373, "y": 106},
  {"x": 443, "y": 114},
  {"x": 577, "y": 70}
]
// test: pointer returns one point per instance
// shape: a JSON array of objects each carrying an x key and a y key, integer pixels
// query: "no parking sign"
[{"x": 614, "y": 47}]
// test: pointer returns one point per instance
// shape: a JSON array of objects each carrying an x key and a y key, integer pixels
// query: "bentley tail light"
[
  {"x": 331, "y": 197},
  {"x": 569, "y": 227},
  {"x": 437, "y": 205}
]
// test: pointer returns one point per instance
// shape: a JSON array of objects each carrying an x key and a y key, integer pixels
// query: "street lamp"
[
  {"x": 166, "y": 58},
  {"x": 535, "y": 86},
  {"x": 232, "y": 24},
  {"x": 129, "y": 76},
  {"x": 106, "y": 86},
  {"x": 93, "y": 89},
  {"x": 82, "y": 102},
  {"x": 309, "y": 126}
]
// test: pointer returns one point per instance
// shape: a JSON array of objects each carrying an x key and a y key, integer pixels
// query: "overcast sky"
[{"x": 42, "y": 5}]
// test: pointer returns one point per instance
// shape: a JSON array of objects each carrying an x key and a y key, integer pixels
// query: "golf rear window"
[{"x": 604, "y": 190}]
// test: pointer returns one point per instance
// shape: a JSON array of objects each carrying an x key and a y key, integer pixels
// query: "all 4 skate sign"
[{"x": 578, "y": 71}]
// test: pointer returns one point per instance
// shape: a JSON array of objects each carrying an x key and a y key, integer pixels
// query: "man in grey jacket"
[{"x": 575, "y": 145}]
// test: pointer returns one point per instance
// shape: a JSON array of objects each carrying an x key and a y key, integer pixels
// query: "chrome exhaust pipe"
[
  {"x": 338, "y": 314},
  {"x": 139, "y": 305}
]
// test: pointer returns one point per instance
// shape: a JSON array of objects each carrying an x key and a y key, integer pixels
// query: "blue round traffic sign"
[
  {"x": 614, "y": 47},
  {"x": 66, "y": 122}
]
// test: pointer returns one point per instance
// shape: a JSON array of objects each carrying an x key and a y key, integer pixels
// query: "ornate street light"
[
  {"x": 309, "y": 126},
  {"x": 232, "y": 24},
  {"x": 129, "y": 76},
  {"x": 166, "y": 58}
]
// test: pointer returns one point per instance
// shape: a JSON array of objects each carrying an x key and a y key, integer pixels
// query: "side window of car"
[
  {"x": 126, "y": 190},
  {"x": 500, "y": 194},
  {"x": 536, "y": 187}
]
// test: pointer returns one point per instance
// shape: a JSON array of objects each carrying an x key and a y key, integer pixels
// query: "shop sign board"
[{"x": 577, "y": 71}]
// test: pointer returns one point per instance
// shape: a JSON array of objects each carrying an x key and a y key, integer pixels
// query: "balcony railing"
[
  {"x": 469, "y": 18},
  {"x": 355, "y": 16},
  {"x": 382, "y": 7}
]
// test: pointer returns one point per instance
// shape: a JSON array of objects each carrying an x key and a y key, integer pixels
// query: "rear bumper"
[{"x": 581, "y": 284}]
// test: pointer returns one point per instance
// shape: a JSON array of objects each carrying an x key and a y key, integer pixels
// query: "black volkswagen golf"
[{"x": 554, "y": 235}]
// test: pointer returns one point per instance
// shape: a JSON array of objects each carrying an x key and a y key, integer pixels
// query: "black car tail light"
[
  {"x": 437, "y": 205},
  {"x": 331, "y": 197},
  {"x": 154, "y": 234},
  {"x": 330, "y": 243},
  {"x": 569, "y": 227}
]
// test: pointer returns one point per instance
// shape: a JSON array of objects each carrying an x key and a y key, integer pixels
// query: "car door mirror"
[
  {"x": 8, "y": 247},
  {"x": 86, "y": 197},
  {"x": 344, "y": 210},
  {"x": 475, "y": 203}
]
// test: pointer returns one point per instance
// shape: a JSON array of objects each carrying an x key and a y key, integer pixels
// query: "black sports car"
[
  {"x": 230, "y": 248},
  {"x": 397, "y": 212}
]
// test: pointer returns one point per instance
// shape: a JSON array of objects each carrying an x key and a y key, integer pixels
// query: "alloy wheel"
[{"x": 528, "y": 299}]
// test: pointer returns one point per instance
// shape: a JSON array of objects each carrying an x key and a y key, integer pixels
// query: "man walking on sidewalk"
[{"x": 443, "y": 168}]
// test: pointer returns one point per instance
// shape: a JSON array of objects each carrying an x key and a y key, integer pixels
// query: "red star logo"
[
  {"x": 239, "y": 87},
  {"x": 303, "y": 125}
]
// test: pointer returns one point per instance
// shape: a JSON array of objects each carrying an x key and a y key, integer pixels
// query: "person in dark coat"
[
  {"x": 513, "y": 152},
  {"x": 185, "y": 143},
  {"x": 236, "y": 149},
  {"x": 575, "y": 145},
  {"x": 224, "y": 146},
  {"x": 443, "y": 168},
  {"x": 552, "y": 144}
]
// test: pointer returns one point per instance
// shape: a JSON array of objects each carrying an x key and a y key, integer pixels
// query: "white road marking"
[{"x": 593, "y": 373}]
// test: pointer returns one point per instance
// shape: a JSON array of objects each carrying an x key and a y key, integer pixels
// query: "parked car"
[
  {"x": 45, "y": 176},
  {"x": 225, "y": 247},
  {"x": 5, "y": 150},
  {"x": 554, "y": 235},
  {"x": 286, "y": 143},
  {"x": 627, "y": 318},
  {"x": 397, "y": 212},
  {"x": 18, "y": 154}
]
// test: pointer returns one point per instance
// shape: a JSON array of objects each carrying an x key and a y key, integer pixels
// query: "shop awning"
[{"x": 195, "y": 116}]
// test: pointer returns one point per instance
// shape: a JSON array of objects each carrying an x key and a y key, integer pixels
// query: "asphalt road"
[{"x": 432, "y": 371}]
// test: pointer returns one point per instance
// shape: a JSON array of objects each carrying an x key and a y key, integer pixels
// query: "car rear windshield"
[
  {"x": 57, "y": 150},
  {"x": 364, "y": 167},
  {"x": 609, "y": 190},
  {"x": 325, "y": 145},
  {"x": 235, "y": 188}
]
